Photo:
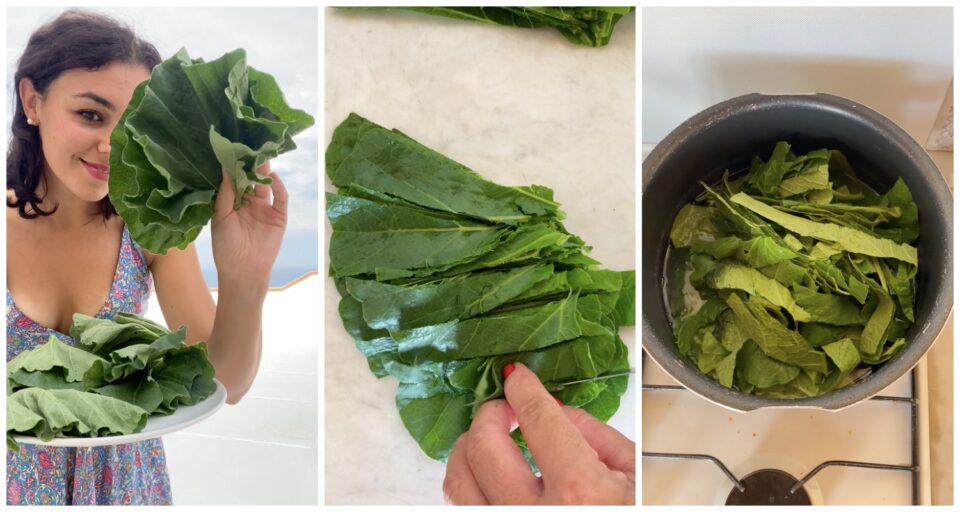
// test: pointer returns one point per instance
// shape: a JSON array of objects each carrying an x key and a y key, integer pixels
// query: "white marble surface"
[{"x": 517, "y": 106}]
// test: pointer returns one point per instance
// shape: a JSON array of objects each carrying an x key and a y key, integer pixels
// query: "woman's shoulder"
[{"x": 148, "y": 256}]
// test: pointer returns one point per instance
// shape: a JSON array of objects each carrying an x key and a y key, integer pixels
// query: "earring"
[{"x": 31, "y": 122}]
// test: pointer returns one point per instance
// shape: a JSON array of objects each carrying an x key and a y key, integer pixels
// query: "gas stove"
[{"x": 698, "y": 453}]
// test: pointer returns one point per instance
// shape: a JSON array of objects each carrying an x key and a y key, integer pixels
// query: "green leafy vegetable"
[
  {"x": 120, "y": 372},
  {"x": 590, "y": 26},
  {"x": 790, "y": 277},
  {"x": 445, "y": 278},
  {"x": 192, "y": 121}
]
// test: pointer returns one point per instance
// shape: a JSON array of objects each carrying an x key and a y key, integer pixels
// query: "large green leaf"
[
  {"x": 389, "y": 162},
  {"x": 53, "y": 362},
  {"x": 57, "y": 412},
  {"x": 102, "y": 336},
  {"x": 589, "y": 26},
  {"x": 398, "y": 307},
  {"x": 404, "y": 239},
  {"x": 501, "y": 333},
  {"x": 192, "y": 121}
]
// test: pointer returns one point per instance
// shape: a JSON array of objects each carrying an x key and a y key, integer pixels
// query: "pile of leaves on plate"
[
  {"x": 446, "y": 277},
  {"x": 792, "y": 280},
  {"x": 120, "y": 372},
  {"x": 589, "y": 26},
  {"x": 182, "y": 128}
]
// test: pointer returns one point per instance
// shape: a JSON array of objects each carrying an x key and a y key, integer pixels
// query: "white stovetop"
[
  {"x": 792, "y": 440},
  {"x": 517, "y": 106}
]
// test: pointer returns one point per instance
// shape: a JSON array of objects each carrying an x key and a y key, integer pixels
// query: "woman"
[{"x": 67, "y": 250}]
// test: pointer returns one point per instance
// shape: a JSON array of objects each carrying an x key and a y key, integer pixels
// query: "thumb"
[{"x": 225, "y": 197}]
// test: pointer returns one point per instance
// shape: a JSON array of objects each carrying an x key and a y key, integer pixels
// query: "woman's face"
[{"x": 75, "y": 118}]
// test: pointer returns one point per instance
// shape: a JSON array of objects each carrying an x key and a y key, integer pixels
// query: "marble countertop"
[{"x": 517, "y": 106}]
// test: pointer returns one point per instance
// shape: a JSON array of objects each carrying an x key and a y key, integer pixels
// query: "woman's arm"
[
  {"x": 245, "y": 244},
  {"x": 231, "y": 326}
]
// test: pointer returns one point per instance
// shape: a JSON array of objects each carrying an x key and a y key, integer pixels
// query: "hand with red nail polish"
[{"x": 582, "y": 461}]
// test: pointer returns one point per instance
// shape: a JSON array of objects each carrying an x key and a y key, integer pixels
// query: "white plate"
[{"x": 156, "y": 426}]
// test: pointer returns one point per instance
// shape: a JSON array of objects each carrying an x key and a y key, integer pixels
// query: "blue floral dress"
[{"x": 126, "y": 474}]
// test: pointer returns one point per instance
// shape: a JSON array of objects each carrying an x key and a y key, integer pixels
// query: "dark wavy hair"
[{"x": 75, "y": 39}]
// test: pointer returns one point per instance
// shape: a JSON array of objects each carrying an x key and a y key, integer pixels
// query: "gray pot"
[{"x": 726, "y": 136}]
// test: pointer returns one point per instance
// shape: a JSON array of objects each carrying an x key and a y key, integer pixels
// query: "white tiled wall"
[{"x": 898, "y": 61}]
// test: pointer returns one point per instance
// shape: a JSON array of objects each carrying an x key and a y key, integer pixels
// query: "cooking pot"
[{"x": 726, "y": 136}]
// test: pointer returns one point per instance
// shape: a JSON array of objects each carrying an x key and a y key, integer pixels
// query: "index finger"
[
  {"x": 555, "y": 442},
  {"x": 259, "y": 189}
]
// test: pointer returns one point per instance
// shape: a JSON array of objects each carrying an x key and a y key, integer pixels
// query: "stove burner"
[{"x": 768, "y": 487}]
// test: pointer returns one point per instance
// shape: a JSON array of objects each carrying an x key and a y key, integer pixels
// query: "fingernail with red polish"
[
  {"x": 508, "y": 369},
  {"x": 559, "y": 402}
]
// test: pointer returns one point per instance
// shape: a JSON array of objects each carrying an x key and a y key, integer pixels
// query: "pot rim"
[{"x": 690, "y": 377}]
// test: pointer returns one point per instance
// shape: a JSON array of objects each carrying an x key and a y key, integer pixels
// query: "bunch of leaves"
[
  {"x": 192, "y": 121},
  {"x": 795, "y": 278},
  {"x": 119, "y": 372},
  {"x": 589, "y": 26},
  {"x": 446, "y": 277}
]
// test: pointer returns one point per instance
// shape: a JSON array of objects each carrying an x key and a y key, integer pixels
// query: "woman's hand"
[
  {"x": 246, "y": 241},
  {"x": 582, "y": 461}
]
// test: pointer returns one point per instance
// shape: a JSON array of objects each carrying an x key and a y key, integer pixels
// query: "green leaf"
[
  {"x": 139, "y": 389},
  {"x": 133, "y": 359},
  {"x": 762, "y": 371},
  {"x": 738, "y": 277},
  {"x": 874, "y": 332},
  {"x": 626, "y": 308},
  {"x": 766, "y": 176},
  {"x": 589, "y": 26},
  {"x": 400, "y": 307},
  {"x": 502, "y": 333},
  {"x": 850, "y": 240},
  {"x": 817, "y": 179},
  {"x": 405, "y": 239},
  {"x": 906, "y": 227},
  {"x": 46, "y": 414},
  {"x": 53, "y": 358},
  {"x": 694, "y": 223},
  {"x": 192, "y": 121},
  {"x": 527, "y": 244},
  {"x": 435, "y": 421},
  {"x": 185, "y": 377},
  {"x": 901, "y": 283},
  {"x": 826, "y": 308},
  {"x": 775, "y": 340},
  {"x": 392, "y": 163},
  {"x": 102, "y": 336},
  {"x": 844, "y": 354},
  {"x": 688, "y": 327}
]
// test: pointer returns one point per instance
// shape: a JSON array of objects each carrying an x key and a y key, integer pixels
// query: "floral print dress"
[{"x": 126, "y": 474}]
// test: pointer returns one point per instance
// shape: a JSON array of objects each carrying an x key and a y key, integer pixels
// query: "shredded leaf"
[{"x": 793, "y": 275}]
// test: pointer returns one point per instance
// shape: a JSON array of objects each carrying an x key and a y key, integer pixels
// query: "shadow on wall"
[{"x": 900, "y": 90}]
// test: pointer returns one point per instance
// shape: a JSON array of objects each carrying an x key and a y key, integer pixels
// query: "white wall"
[{"x": 898, "y": 61}]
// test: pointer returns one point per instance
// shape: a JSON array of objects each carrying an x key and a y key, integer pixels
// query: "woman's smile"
[{"x": 98, "y": 171}]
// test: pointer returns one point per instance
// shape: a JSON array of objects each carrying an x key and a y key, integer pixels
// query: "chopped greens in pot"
[{"x": 790, "y": 280}]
